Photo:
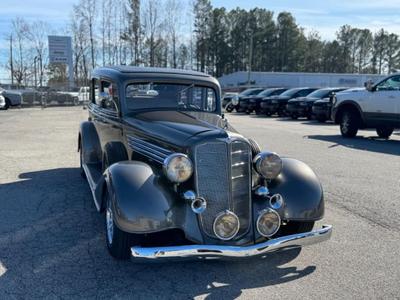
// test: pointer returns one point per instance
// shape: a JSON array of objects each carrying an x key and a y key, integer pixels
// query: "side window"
[
  {"x": 390, "y": 84},
  {"x": 109, "y": 96},
  {"x": 95, "y": 92}
]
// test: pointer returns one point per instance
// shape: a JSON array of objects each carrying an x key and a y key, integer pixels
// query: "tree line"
[{"x": 178, "y": 34}]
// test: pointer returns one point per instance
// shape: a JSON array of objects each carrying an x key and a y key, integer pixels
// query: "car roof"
[{"x": 134, "y": 69}]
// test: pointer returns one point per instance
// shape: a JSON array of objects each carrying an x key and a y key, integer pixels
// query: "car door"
[
  {"x": 106, "y": 116},
  {"x": 382, "y": 103}
]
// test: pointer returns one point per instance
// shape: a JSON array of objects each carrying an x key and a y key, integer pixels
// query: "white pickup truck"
[{"x": 375, "y": 106}]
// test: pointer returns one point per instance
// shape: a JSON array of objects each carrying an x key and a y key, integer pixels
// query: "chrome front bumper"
[{"x": 221, "y": 251}]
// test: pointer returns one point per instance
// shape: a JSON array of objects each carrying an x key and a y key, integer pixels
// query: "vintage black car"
[
  {"x": 175, "y": 180},
  {"x": 302, "y": 107},
  {"x": 277, "y": 104},
  {"x": 254, "y": 102},
  {"x": 239, "y": 102}
]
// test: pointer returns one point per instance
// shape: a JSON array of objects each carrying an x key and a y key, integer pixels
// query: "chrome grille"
[{"x": 223, "y": 178}]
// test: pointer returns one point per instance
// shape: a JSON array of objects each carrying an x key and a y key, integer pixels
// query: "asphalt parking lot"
[{"x": 52, "y": 243}]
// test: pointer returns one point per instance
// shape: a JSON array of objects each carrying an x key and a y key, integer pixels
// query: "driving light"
[
  {"x": 235, "y": 100},
  {"x": 226, "y": 225},
  {"x": 268, "y": 222},
  {"x": 178, "y": 167},
  {"x": 268, "y": 164}
]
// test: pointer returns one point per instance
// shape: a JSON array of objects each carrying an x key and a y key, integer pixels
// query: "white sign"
[{"x": 60, "y": 51}]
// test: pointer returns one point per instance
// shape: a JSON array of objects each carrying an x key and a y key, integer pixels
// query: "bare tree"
[
  {"x": 173, "y": 9},
  {"x": 37, "y": 34},
  {"x": 86, "y": 10},
  {"x": 22, "y": 54},
  {"x": 152, "y": 29}
]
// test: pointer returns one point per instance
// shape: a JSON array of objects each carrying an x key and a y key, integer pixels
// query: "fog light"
[
  {"x": 268, "y": 223},
  {"x": 226, "y": 225}
]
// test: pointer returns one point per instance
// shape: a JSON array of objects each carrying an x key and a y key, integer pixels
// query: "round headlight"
[
  {"x": 178, "y": 167},
  {"x": 268, "y": 164},
  {"x": 268, "y": 222},
  {"x": 226, "y": 225},
  {"x": 235, "y": 100}
]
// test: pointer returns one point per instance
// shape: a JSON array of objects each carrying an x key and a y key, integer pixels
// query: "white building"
[{"x": 288, "y": 79}]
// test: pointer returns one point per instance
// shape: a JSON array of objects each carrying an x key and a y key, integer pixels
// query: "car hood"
[{"x": 177, "y": 128}]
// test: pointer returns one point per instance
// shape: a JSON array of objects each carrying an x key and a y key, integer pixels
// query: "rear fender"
[
  {"x": 88, "y": 140},
  {"x": 301, "y": 191}
]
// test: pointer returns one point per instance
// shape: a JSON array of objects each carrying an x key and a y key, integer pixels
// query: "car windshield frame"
[
  {"x": 186, "y": 87},
  {"x": 321, "y": 93},
  {"x": 250, "y": 92},
  {"x": 290, "y": 92}
]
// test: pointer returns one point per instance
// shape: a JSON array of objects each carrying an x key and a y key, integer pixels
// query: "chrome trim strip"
[
  {"x": 147, "y": 149},
  {"x": 221, "y": 251}
]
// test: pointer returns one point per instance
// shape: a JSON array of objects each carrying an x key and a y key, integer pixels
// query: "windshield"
[
  {"x": 154, "y": 95},
  {"x": 250, "y": 92},
  {"x": 319, "y": 94},
  {"x": 270, "y": 92},
  {"x": 290, "y": 92}
]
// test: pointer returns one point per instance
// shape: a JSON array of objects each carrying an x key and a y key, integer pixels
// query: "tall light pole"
[
  {"x": 11, "y": 61},
  {"x": 34, "y": 69}
]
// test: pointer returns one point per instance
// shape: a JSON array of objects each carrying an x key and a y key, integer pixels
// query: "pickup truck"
[{"x": 375, "y": 106}]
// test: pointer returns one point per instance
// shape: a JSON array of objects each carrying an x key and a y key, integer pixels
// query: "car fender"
[
  {"x": 341, "y": 105},
  {"x": 89, "y": 140},
  {"x": 301, "y": 191},
  {"x": 140, "y": 202}
]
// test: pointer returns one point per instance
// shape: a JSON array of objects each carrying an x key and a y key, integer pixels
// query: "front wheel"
[
  {"x": 118, "y": 242},
  {"x": 384, "y": 132},
  {"x": 349, "y": 124},
  {"x": 229, "y": 108}
]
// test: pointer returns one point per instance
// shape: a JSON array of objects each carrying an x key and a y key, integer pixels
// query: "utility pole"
[
  {"x": 35, "y": 69},
  {"x": 250, "y": 60},
  {"x": 11, "y": 61}
]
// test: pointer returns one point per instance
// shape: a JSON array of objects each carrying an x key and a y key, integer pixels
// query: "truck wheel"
[
  {"x": 118, "y": 242},
  {"x": 384, "y": 131},
  {"x": 8, "y": 104},
  {"x": 294, "y": 116},
  {"x": 113, "y": 153},
  {"x": 349, "y": 124},
  {"x": 309, "y": 117},
  {"x": 229, "y": 107}
]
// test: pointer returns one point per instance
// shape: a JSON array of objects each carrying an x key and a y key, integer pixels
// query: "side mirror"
[
  {"x": 369, "y": 85},
  {"x": 107, "y": 101}
]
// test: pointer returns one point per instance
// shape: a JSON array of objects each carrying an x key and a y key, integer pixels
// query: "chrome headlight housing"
[
  {"x": 268, "y": 222},
  {"x": 226, "y": 225},
  {"x": 235, "y": 100},
  {"x": 178, "y": 167},
  {"x": 268, "y": 164}
]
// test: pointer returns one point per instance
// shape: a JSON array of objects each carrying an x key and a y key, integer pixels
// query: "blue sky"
[{"x": 324, "y": 16}]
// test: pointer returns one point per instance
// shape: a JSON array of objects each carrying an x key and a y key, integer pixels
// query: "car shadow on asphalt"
[
  {"x": 52, "y": 245},
  {"x": 372, "y": 144}
]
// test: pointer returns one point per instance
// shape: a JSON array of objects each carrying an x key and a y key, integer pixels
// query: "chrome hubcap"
[{"x": 109, "y": 223}]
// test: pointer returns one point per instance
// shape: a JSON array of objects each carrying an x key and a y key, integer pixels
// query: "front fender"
[
  {"x": 301, "y": 190},
  {"x": 139, "y": 201}
]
